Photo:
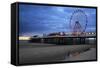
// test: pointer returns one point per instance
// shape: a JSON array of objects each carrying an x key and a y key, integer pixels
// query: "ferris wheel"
[{"x": 78, "y": 22}]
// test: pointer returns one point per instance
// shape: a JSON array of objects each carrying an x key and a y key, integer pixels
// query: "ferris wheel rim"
[{"x": 81, "y": 11}]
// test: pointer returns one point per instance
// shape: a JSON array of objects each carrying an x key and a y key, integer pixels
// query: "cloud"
[{"x": 35, "y": 19}]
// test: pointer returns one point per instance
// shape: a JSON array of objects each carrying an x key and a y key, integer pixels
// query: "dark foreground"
[{"x": 39, "y": 52}]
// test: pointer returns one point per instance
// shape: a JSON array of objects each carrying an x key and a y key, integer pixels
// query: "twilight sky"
[{"x": 37, "y": 19}]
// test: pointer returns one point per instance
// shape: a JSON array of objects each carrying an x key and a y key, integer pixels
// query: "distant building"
[{"x": 57, "y": 34}]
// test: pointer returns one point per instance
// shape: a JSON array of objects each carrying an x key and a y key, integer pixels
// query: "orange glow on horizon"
[{"x": 24, "y": 38}]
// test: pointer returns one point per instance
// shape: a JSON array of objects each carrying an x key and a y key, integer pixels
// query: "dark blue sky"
[{"x": 35, "y": 19}]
